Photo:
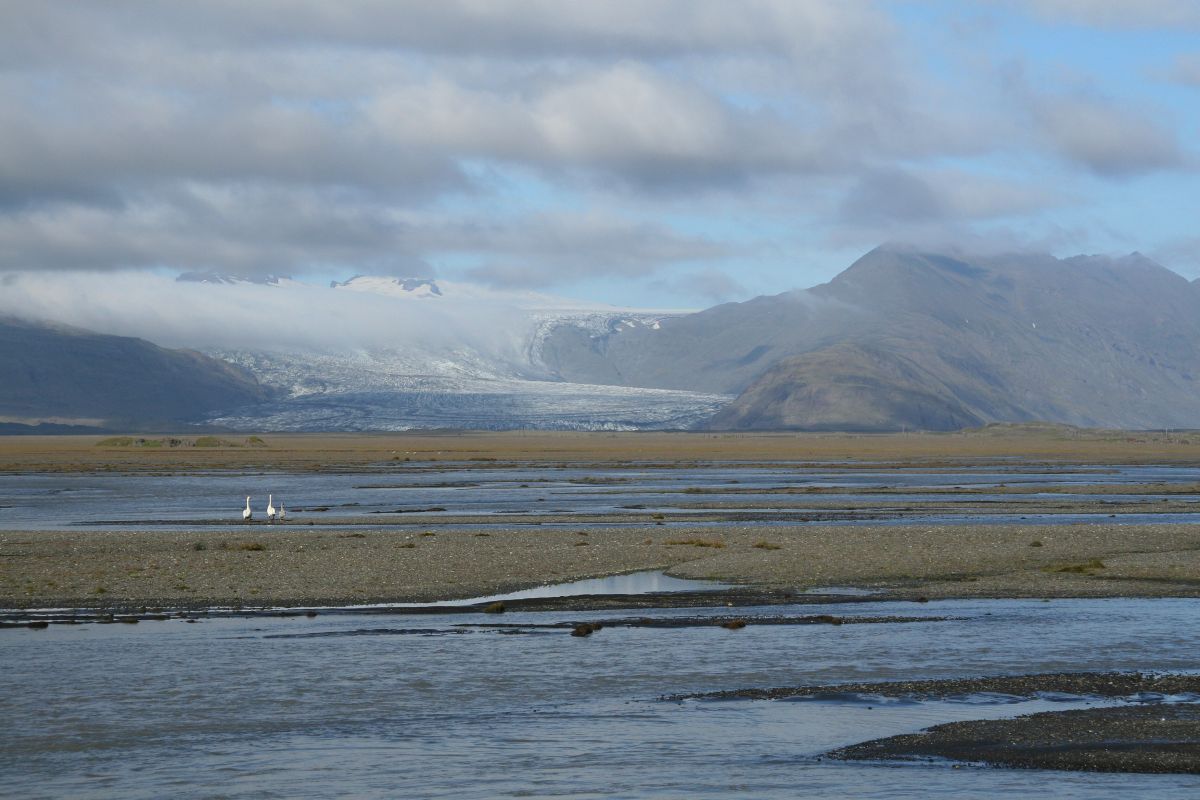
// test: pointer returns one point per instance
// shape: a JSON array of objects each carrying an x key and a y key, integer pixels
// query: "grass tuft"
[
  {"x": 1084, "y": 568},
  {"x": 698, "y": 542}
]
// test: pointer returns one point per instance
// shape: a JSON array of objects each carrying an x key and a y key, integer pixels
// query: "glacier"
[{"x": 434, "y": 378}]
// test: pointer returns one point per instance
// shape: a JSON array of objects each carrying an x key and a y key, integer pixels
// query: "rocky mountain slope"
[
  {"x": 909, "y": 339},
  {"x": 60, "y": 374}
]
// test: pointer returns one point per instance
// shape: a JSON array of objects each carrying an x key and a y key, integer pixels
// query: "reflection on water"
[
  {"x": 222, "y": 708},
  {"x": 633, "y": 583},
  {"x": 648, "y": 582}
]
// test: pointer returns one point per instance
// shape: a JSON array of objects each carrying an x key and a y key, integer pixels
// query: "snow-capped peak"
[{"x": 399, "y": 287}]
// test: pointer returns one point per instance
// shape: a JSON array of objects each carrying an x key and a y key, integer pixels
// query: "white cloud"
[
  {"x": 368, "y": 135},
  {"x": 263, "y": 318}
]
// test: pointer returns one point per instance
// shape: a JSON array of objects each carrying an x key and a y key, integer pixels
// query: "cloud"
[
  {"x": 498, "y": 28},
  {"x": 285, "y": 137},
  {"x": 1107, "y": 139},
  {"x": 554, "y": 249},
  {"x": 884, "y": 197},
  {"x": 1086, "y": 127},
  {"x": 262, "y": 318},
  {"x": 247, "y": 230}
]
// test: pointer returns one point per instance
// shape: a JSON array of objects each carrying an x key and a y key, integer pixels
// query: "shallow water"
[
  {"x": 423, "y": 707},
  {"x": 41, "y": 501},
  {"x": 646, "y": 582}
]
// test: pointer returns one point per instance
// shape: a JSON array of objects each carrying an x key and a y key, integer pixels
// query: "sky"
[{"x": 650, "y": 153}]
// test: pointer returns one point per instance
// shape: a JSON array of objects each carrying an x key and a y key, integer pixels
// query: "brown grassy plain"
[{"x": 1033, "y": 443}]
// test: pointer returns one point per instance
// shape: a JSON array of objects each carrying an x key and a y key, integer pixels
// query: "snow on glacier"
[{"x": 495, "y": 381}]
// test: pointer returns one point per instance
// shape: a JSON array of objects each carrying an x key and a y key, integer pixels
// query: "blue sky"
[{"x": 659, "y": 153}]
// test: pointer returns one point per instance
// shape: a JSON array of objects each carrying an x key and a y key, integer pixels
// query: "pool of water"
[
  {"x": 634, "y": 583},
  {"x": 424, "y": 707}
]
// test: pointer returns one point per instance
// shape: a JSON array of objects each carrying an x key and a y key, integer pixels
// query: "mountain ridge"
[{"x": 1089, "y": 340}]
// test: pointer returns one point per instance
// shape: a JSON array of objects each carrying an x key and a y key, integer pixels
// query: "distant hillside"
[
  {"x": 66, "y": 375},
  {"x": 906, "y": 339}
]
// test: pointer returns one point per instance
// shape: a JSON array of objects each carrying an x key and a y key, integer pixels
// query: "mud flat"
[
  {"x": 297, "y": 566},
  {"x": 1149, "y": 739},
  {"x": 1081, "y": 684}
]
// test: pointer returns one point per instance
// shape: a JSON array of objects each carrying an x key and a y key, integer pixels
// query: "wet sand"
[
  {"x": 1147, "y": 739},
  {"x": 298, "y": 566},
  {"x": 1080, "y": 684}
]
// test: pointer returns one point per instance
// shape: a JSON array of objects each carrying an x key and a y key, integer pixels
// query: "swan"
[
  {"x": 282, "y": 511},
  {"x": 270, "y": 508},
  {"x": 247, "y": 514}
]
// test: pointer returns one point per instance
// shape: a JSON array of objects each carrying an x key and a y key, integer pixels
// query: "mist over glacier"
[{"x": 290, "y": 316}]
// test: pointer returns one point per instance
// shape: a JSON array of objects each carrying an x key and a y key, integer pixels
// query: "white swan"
[
  {"x": 247, "y": 514},
  {"x": 270, "y": 508}
]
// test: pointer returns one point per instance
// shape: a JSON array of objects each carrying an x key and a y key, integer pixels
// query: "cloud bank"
[
  {"x": 246, "y": 316},
  {"x": 537, "y": 143}
]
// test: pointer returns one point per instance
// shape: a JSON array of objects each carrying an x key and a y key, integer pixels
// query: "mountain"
[
  {"x": 902, "y": 339},
  {"x": 919, "y": 340},
  {"x": 56, "y": 374}
]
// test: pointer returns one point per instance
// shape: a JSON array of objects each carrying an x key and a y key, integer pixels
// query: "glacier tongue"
[
  {"x": 456, "y": 385},
  {"x": 480, "y": 405}
]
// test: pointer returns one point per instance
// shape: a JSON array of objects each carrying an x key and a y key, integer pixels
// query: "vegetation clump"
[
  {"x": 762, "y": 544},
  {"x": 494, "y": 608},
  {"x": 199, "y": 441},
  {"x": 1084, "y": 568},
  {"x": 697, "y": 542},
  {"x": 253, "y": 546}
]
